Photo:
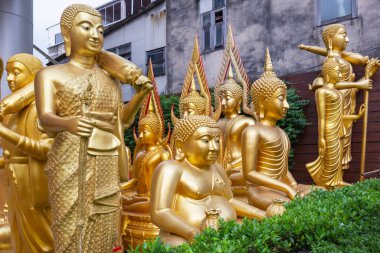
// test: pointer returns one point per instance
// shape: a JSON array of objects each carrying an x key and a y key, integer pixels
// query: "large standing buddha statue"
[
  {"x": 80, "y": 103},
  {"x": 265, "y": 147},
  {"x": 186, "y": 188}
]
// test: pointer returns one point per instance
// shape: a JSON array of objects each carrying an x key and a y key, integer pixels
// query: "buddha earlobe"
[
  {"x": 179, "y": 156},
  {"x": 261, "y": 112},
  {"x": 66, "y": 39}
]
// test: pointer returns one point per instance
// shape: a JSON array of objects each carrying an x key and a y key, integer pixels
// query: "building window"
[
  {"x": 158, "y": 61},
  {"x": 113, "y": 12},
  {"x": 58, "y": 38},
  {"x": 332, "y": 11},
  {"x": 213, "y": 24},
  {"x": 123, "y": 50}
]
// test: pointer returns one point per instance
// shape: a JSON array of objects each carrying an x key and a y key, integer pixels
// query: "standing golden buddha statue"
[
  {"x": 232, "y": 95},
  {"x": 81, "y": 104},
  {"x": 186, "y": 188},
  {"x": 151, "y": 149},
  {"x": 25, "y": 151},
  {"x": 327, "y": 170},
  {"x": 335, "y": 37},
  {"x": 191, "y": 101},
  {"x": 265, "y": 147}
]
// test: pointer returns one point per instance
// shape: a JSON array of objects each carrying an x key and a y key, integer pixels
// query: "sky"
[{"x": 47, "y": 13}]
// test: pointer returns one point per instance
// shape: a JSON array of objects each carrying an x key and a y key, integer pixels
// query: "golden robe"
[{"x": 102, "y": 197}]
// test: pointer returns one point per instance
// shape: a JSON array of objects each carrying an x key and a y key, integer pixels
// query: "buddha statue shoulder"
[
  {"x": 184, "y": 189},
  {"x": 265, "y": 147},
  {"x": 80, "y": 103},
  {"x": 25, "y": 152}
]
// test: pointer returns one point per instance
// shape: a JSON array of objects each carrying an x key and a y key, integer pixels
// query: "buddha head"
[
  {"x": 331, "y": 71},
  {"x": 231, "y": 94},
  {"x": 82, "y": 30},
  {"x": 269, "y": 94},
  {"x": 150, "y": 131},
  {"x": 21, "y": 70},
  {"x": 335, "y": 37},
  {"x": 196, "y": 139}
]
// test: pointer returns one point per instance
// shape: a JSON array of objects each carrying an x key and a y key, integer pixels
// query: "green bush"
[
  {"x": 293, "y": 124},
  {"x": 344, "y": 220}
]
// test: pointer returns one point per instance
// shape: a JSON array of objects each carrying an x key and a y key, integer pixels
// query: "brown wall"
[{"x": 306, "y": 150}]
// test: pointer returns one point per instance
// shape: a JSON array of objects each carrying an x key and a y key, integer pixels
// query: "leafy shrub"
[{"x": 344, "y": 220}]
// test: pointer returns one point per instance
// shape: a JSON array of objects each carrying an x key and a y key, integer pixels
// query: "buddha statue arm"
[
  {"x": 165, "y": 181},
  {"x": 321, "y": 111},
  {"x": 355, "y": 117},
  {"x": 353, "y": 58},
  {"x": 35, "y": 148},
  {"x": 362, "y": 84},
  {"x": 119, "y": 67},
  {"x": 250, "y": 150},
  {"x": 17, "y": 100},
  {"x": 46, "y": 107},
  {"x": 289, "y": 180},
  {"x": 242, "y": 209}
]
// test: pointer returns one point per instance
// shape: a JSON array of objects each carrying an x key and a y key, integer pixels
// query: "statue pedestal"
[{"x": 137, "y": 226}]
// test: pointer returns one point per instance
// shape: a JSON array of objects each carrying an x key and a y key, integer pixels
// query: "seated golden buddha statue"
[
  {"x": 265, "y": 147},
  {"x": 151, "y": 149},
  {"x": 327, "y": 170},
  {"x": 232, "y": 125},
  {"x": 185, "y": 188},
  {"x": 80, "y": 103},
  {"x": 25, "y": 152}
]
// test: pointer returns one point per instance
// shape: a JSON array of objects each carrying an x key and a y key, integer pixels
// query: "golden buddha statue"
[
  {"x": 80, "y": 103},
  {"x": 265, "y": 147},
  {"x": 335, "y": 37},
  {"x": 230, "y": 94},
  {"x": 184, "y": 188},
  {"x": 25, "y": 151},
  {"x": 191, "y": 101},
  {"x": 151, "y": 149},
  {"x": 327, "y": 170}
]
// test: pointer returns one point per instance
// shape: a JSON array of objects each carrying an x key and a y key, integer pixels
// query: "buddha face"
[
  {"x": 229, "y": 103},
  {"x": 202, "y": 148},
  {"x": 189, "y": 109},
  {"x": 147, "y": 135},
  {"x": 340, "y": 40},
  {"x": 277, "y": 106},
  {"x": 18, "y": 75},
  {"x": 334, "y": 76},
  {"x": 86, "y": 34}
]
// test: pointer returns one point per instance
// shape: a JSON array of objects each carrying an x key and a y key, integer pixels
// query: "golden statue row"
[{"x": 64, "y": 154}]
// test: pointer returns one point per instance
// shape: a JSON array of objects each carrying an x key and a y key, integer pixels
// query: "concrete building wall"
[
  {"x": 281, "y": 25},
  {"x": 145, "y": 33}
]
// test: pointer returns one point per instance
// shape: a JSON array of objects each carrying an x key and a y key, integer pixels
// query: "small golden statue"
[
  {"x": 80, "y": 103},
  {"x": 335, "y": 38},
  {"x": 191, "y": 102},
  {"x": 151, "y": 149},
  {"x": 327, "y": 170},
  {"x": 25, "y": 152},
  {"x": 182, "y": 189},
  {"x": 265, "y": 147},
  {"x": 232, "y": 95}
]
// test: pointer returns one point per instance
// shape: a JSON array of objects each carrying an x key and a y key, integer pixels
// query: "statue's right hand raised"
[{"x": 79, "y": 126}]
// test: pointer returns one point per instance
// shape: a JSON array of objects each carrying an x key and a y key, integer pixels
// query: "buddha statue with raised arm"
[
  {"x": 265, "y": 147},
  {"x": 79, "y": 102},
  {"x": 151, "y": 149},
  {"x": 25, "y": 151},
  {"x": 185, "y": 189},
  {"x": 335, "y": 39},
  {"x": 327, "y": 170}
]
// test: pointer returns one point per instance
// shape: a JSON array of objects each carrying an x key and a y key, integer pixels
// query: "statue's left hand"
[{"x": 371, "y": 67}]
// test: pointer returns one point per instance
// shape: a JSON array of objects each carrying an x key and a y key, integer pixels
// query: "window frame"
[
  {"x": 58, "y": 35},
  {"x": 122, "y": 12},
  {"x": 163, "y": 61},
  {"x": 212, "y": 26},
  {"x": 318, "y": 16},
  {"x": 116, "y": 50}
]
